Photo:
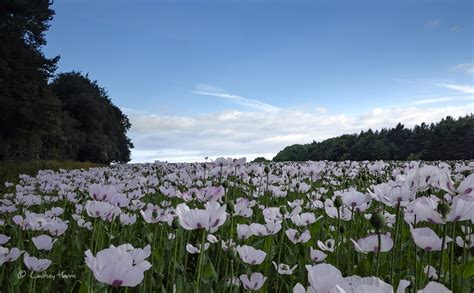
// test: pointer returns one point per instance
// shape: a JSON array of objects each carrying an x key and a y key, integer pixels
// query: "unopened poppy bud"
[
  {"x": 322, "y": 198},
  {"x": 266, "y": 170},
  {"x": 341, "y": 229},
  {"x": 232, "y": 252},
  {"x": 175, "y": 223},
  {"x": 225, "y": 184},
  {"x": 443, "y": 209},
  {"x": 283, "y": 210},
  {"x": 230, "y": 207},
  {"x": 338, "y": 202},
  {"x": 378, "y": 221}
]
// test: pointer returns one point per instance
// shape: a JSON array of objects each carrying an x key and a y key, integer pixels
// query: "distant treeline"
[
  {"x": 449, "y": 139},
  {"x": 44, "y": 115}
]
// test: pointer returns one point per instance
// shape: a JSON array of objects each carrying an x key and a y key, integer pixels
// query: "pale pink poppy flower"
[
  {"x": 468, "y": 241},
  {"x": 193, "y": 249},
  {"x": 325, "y": 278},
  {"x": 368, "y": 284},
  {"x": 272, "y": 215},
  {"x": 210, "y": 218},
  {"x": 250, "y": 255},
  {"x": 8, "y": 255},
  {"x": 101, "y": 209},
  {"x": 430, "y": 272},
  {"x": 102, "y": 192},
  {"x": 329, "y": 245},
  {"x": 370, "y": 243},
  {"x": 425, "y": 209},
  {"x": 284, "y": 269},
  {"x": 269, "y": 228},
  {"x": 304, "y": 219},
  {"x": 255, "y": 282},
  {"x": 4, "y": 239},
  {"x": 211, "y": 193},
  {"x": 356, "y": 200},
  {"x": 460, "y": 210},
  {"x": 243, "y": 231},
  {"x": 426, "y": 239},
  {"x": 243, "y": 207},
  {"x": 212, "y": 239},
  {"x": 317, "y": 255},
  {"x": 127, "y": 219},
  {"x": 295, "y": 237},
  {"x": 35, "y": 264},
  {"x": 434, "y": 287},
  {"x": 119, "y": 266},
  {"x": 465, "y": 189},
  {"x": 298, "y": 288},
  {"x": 43, "y": 242}
]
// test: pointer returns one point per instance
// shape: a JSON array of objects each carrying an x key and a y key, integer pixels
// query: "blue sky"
[{"x": 246, "y": 78}]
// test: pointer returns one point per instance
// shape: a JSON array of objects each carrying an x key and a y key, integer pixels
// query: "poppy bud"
[
  {"x": 230, "y": 207},
  {"x": 322, "y": 198},
  {"x": 378, "y": 221},
  {"x": 175, "y": 223},
  {"x": 341, "y": 229},
  {"x": 266, "y": 170},
  {"x": 225, "y": 184},
  {"x": 283, "y": 210},
  {"x": 338, "y": 202},
  {"x": 232, "y": 252}
]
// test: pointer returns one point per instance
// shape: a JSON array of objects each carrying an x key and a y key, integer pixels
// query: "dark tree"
[
  {"x": 29, "y": 114},
  {"x": 448, "y": 139},
  {"x": 101, "y": 127}
]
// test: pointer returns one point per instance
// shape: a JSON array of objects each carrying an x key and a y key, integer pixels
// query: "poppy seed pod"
[
  {"x": 338, "y": 202},
  {"x": 378, "y": 221},
  {"x": 266, "y": 170},
  {"x": 283, "y": 210}
]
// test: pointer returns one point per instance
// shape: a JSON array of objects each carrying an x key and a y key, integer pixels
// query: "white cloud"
[
  {"x": 466, "y": 67},
  {"x": 209, "y": 90},
  {"x": 467, "y": 89},
  {"x": 260, "y": 133},
  {"x": 433, "y": 23}
]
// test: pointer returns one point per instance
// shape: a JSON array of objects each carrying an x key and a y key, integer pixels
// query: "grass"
[{"x": 9, "y": 171}]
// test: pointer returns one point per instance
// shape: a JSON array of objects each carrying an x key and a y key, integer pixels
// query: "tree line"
[
  {"x": 45, "y": 115},
  {"x": 448, "y": 139}
]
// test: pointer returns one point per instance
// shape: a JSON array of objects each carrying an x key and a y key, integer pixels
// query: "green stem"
[
  {"x": 201, "y": 256},
  {"x": 379, "y": 247},
  {"x": 440, "y": 268},
  {"x": 394, "y": 252}
]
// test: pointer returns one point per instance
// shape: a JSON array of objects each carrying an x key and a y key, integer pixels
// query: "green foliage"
[
  {"x": 448, "y": 139},
  {"x": 100, "y": 132},
  {"x": 72, "y": 119},
  {"x": 260, "y": 160}
]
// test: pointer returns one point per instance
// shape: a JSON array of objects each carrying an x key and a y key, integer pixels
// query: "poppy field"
[{"x": 233, "y": 226}]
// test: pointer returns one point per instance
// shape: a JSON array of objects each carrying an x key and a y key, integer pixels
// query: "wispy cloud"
[
  {"x": 455, "y": 29},
  {"x": 442, "y": 99},
  {"x": 209, "y": 90},
  {"x": 467, "y": 89},
  {"x": 466, "y": 67},
  {"x": 433, "y": 23}
]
